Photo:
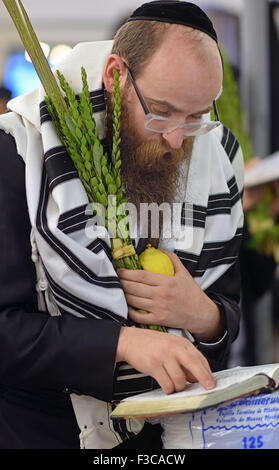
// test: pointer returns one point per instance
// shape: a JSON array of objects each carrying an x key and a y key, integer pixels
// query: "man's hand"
[
  {"x": 170, "y": 360},
  {"x": 176, "y": 302}
]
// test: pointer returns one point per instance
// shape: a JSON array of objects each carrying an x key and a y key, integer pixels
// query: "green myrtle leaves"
[
  {"x": 97, "y": 154},
  {"x": 116, "y": 160},
  {"x": 100, "y": 177}
]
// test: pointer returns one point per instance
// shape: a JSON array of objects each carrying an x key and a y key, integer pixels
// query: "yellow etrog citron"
[{"x": 152, "y": 259}]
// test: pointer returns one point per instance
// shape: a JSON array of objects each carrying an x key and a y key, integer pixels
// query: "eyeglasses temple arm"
[
  {"x": 216, "y": 111},
  {"x": 146, "y": 110}
]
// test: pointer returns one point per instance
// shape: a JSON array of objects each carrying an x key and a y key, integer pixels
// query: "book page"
[
  {"x": 247, "y": 423},
  {"x": 223, "y": 379},
  {"x": 267, "y": 170}
]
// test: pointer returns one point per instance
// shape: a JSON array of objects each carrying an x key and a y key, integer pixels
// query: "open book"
[
  {"x": 229, "y": 384},
  {"x": 265, "y": 171}
]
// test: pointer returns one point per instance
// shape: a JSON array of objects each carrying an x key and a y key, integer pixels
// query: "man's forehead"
[
  {"x": 174, "y": 74},
  {"x": 180, "y": 91},
  {"x": 179, "y": 51}
]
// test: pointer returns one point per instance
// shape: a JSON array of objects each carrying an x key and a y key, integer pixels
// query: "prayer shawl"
[{"x": 74, "y": 273}]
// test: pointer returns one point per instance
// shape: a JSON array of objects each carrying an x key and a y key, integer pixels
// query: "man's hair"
[
  {"x": 5, "y": 93},
  {"x": 137, "y": 41}
]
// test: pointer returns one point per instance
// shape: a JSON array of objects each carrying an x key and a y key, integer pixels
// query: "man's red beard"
[{"x": 150, "y": 170}]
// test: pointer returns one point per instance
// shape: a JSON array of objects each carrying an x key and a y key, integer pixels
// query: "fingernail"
[{"x": 209, "y": 384}]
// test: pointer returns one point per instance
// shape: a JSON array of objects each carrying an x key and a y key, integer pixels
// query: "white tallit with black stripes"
[{"x": 75, "y": 273}]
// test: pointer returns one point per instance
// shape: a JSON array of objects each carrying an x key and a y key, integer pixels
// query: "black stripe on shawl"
[
  {"x": 82, "y": 306},
  {"x": 74, "y": 219},
  {"x": 223, "y": 203},
  {"x": 65, "y": 217},
  {"x": 193, "y": 216},
  {"x": 97, "y": 245},
  {"x": 128, "y": 387},
  {"x": 44, "y": 114},
  {"x": 213, "y": 254},
  {"x": 230, "y": 143},
  {"x": 218, "y": 204},
  {"x": 120, "y": 427},
  {"x": 76, "y": 211},
  {"x": 69, "y": 258},
  {"x": 97, "y": 98},
  {"x": 127, "y": 370},
  {"x": 59, "y": 166}
]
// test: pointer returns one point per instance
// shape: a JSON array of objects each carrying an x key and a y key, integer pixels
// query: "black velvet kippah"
[{"x": 178, "y": 12}]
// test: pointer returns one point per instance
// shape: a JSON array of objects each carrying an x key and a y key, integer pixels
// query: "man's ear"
[{"x": 114, "y": 62}]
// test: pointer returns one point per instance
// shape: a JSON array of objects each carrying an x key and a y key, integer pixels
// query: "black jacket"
[{"x": 43, "y": 358}]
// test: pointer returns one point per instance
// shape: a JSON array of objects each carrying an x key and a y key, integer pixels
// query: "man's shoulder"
[
  {"x": 7, "y": 138},
  {"x": 228, "y": 141},
  {"x": 232, "y": 155},
  {"x": 12, "y": 167},
  {"x": 13, "y": 134}
]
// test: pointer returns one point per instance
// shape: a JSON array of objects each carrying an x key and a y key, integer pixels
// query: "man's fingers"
[
  {"x": 188, "y": 365},
  {"x": 142, "y": 276},
  {"x": 198, "y": 369},
  {"x": 162, "y": 377},
  {"x": 177, "y": 264},
  {"x": 169, "y": 359},
  {"x": 138, "y": 303},
  {"x": 176, "y": 373},
  {"x": 137, "y": 289}
]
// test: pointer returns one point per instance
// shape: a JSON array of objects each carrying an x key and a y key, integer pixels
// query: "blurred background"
[{"x": 249, "y": 34}]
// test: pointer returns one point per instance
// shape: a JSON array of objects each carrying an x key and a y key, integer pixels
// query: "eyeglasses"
[{"x": 165, "y": 125}]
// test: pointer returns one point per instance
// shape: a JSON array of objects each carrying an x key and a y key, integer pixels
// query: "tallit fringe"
[{"x": 45, "y": 297}]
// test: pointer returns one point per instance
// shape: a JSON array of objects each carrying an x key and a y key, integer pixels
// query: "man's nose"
[{"x": 174, "y": 138}]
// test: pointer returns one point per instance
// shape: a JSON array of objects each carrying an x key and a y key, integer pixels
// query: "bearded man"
[{"x": 69, "y": 346}]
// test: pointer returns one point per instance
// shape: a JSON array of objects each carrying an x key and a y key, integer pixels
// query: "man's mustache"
[{"x": 154, "y": 153}]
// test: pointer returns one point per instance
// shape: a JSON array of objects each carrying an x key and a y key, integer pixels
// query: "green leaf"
[
  {"x": 109, "y": 179},
  {"x": 94, "y": 182},
  {"x": 124, "y": 200},
  {"x": 105, "y": 170},
  {"x": 79, "y": 166},
  {"x": 102, "y": 189},
  {"x": 118, "y": 164},
  {"x": 98, "y": 196},
  {"x": 118, "y": 182},
  {"x": 104, "y": 161},
  {"x": 71, "y": 125},
  {"x": 97, "y": 159},
  {"x": 86, "y": 175},
  {"x": 104, "y": 200},
  {"x": 88, "y": 165},
  {"x": 112, "y": 189},
  {"x": 78, "y": 134}
]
